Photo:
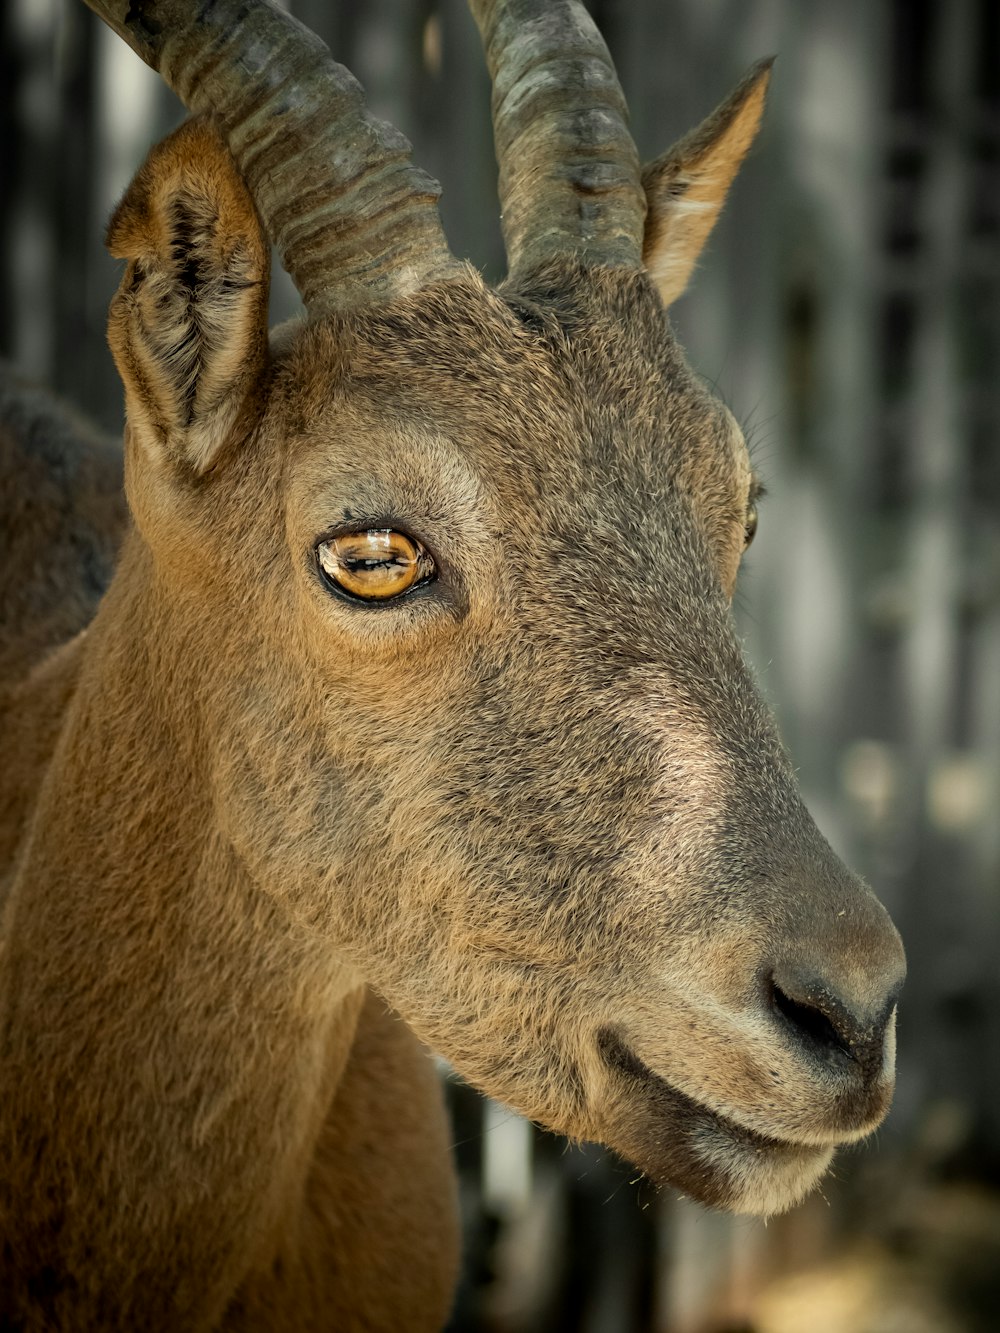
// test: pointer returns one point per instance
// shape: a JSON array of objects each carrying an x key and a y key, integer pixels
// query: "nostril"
[{"x": 809, "y": 1021}]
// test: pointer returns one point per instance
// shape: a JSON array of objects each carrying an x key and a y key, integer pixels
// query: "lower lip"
[{"x": 706, "y": 1152}]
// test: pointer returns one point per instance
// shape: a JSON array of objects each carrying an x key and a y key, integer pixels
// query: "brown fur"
[{"x": 538, "y": 805}]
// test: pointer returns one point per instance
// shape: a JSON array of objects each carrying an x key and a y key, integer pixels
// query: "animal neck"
[{"x": 148, "y": 984}]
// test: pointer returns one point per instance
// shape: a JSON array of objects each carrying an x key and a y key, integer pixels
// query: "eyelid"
[{"x": 380, "y": 521}]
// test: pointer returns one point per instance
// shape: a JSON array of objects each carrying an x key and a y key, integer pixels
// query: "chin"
[
  {"x": 748, "y": 1173},
  {"x": 681, "y": 1143}
]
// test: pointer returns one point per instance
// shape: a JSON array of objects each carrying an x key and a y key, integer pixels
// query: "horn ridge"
[
  {"x": 569, "y": 171},
  {"x": 354, "y": 221}
]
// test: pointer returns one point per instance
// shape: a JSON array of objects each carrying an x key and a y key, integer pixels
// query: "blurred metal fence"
[{"x": 848, "y": 310}]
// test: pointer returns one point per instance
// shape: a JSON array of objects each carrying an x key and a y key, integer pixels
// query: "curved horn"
[
  {"x": 353, "y": 219},
  {"x": 569, "y": 172}
]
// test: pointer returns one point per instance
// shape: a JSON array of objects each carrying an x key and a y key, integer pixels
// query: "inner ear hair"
[
  {"x": 188, "y": 325},
  {"x": 687, "y": 185}
]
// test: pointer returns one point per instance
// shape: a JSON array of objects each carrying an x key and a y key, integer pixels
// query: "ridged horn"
[
  {"x": 354, "y": 221},
  {"x": 569, "y": 171}
]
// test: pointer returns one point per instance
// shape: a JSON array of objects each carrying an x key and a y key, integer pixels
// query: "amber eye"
[
  {"x": 750, "y": 528},
  {"x": 376, "y": 564}
]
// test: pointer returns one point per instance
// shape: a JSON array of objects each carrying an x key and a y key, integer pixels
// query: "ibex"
[{"x": 413, "y": 714}]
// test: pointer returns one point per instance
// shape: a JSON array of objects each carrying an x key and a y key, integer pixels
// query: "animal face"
[
  {"x": 451, "y": 571},
  {"x": 535, "y": 799}
]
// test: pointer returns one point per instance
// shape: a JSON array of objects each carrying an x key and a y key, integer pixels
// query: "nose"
[
  {"x": 834, "y": 977},
  {"x": 829, "y": 1027}
]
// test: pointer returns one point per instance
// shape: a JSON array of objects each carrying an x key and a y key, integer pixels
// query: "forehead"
[{"x": 569, "y": 386}]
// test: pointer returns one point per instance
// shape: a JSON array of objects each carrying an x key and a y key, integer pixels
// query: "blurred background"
[{"x": 848, "y": 310}]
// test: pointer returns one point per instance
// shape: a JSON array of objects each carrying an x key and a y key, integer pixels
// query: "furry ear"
[
  {"x": 687, "y": 186},
  {"x": 188, "y": 325}
]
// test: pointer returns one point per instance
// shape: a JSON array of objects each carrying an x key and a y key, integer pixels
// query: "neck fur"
[{"x": 148, "y": 985}]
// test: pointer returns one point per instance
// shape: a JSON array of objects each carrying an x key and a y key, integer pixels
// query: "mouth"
[{"x": 678, "y": 1141}]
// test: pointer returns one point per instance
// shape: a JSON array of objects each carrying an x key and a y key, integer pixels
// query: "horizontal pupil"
[{"x": 356, "y": 565}]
